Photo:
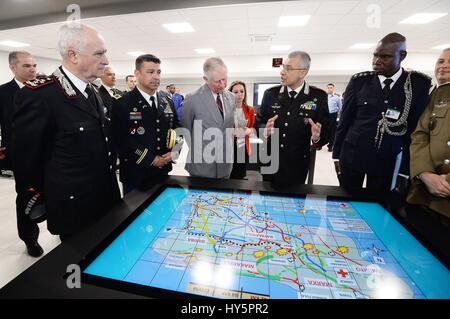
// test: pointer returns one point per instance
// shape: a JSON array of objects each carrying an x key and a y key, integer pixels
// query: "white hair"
[
  {"x": 211, "y": 64},
  {"x": 71, "y": 35},
  {"x": 305, "y": 59}
]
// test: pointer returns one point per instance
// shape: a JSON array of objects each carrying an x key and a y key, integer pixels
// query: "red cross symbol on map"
[
  {"x": 343, "y": 205},
  {"x": 342, "y": 273}
]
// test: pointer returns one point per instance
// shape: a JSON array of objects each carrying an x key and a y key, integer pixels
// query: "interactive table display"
[{"x": 234, "y": 244}]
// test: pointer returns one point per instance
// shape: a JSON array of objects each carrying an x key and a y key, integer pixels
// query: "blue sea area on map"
[
  {"x": 117, "y": 260},
  {"x": 432, "y": 277}
]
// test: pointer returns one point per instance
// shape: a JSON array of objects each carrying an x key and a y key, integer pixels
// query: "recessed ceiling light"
[
  {"x": 14, "y": 44},
  {"x": 280, "y": 47},
  {"x": 293, "y": 21},
  {"x": 205, "y": 51},
  {"x": 441, "y": 47},
  {"x": 360, "y": 46},
  {"x": 422, "y": 18},
  {"x": 179, "y": 27},
  {"x": 135, "y": 53}
]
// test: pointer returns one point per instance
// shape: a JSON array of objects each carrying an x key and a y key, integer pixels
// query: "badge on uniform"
[
  {"x": 308, "y": 109},
  {"x": 393, "y": 114},
  {"x": 441, "y": 104},
  {"x": 167, "y": 109},
  {"x": 275, "y": 106},
  {"x": 132, "y": 131},
  {"x": 135, "y": 116},
  {"x": 141, "y": 130}
]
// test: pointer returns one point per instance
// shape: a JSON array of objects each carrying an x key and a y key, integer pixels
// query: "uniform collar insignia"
[
  {"x": 65, "y": 83},
  {"x": 163, "y": 101},
  {"x": 306, "y": 90}
]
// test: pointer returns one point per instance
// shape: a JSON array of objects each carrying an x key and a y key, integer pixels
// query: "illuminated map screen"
[{"x": 248, "y": 245}]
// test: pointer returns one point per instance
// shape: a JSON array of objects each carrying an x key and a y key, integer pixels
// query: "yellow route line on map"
[{"x": 205, "y": 224}]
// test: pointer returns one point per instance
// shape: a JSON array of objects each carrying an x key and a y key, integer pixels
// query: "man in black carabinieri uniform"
[
  {"x": 61, "y": 150},
  {"x": 300, "y": 112},
  {"x": 23, "y": 66},
  {"x": 380, "y": 111},
  {"x": 142, "y": 119}
]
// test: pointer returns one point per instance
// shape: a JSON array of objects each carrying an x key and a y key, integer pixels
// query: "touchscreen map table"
[{"x": 249, "y": 245}]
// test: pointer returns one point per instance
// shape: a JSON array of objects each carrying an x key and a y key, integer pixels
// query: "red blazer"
[{"x": 249, "y": 113}]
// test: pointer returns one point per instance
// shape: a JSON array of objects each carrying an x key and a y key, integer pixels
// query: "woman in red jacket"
[{"x": 244, "y": 121}]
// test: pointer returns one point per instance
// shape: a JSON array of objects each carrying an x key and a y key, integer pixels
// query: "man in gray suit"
[{"x": 208, "y": 114}]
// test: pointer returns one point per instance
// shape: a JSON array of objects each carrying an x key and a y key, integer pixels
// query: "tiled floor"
[{"x": 13, "y": 256}]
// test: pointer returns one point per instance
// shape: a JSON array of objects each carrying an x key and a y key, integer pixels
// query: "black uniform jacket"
[
  {"x": 294, "y": 130},
  {"x": 141, "y": 133},
  {"x": 108, "y": 99},
  {"x": 363, "y": 104},
  {"x": 7, "y": 93},
  {"x": 60, "y": 149}
]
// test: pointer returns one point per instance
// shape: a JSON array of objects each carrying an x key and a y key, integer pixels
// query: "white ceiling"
[{"x": 333, "y": 28}]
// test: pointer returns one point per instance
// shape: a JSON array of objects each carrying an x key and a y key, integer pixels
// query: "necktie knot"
[
  {"x": 387, "y": 87},
  {"x": 292, "y": 94},
  {"x": 88, "y": 90},
  {"x": 388, "y": 82},
  {"x": 92, "y": 100}
]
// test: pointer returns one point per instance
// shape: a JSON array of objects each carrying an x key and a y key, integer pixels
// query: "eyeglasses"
[{"x": 289, "y": 68}]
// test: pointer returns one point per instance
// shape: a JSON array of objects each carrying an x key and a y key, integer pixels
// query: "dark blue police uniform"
[{"x": 374, "y": 129}]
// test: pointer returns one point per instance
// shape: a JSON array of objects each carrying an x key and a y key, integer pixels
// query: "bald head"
[
  {"x": 394, "y": 38},
  {"x": 22, "y": 64},
  {"x": 442, "y": 68},
  {"x": 83, "y": 51},
  {"x": 389, "y": 53},
  {"x": 109, "y": 77}
]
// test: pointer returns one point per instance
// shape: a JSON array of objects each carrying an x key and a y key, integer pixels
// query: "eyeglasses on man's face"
[{"x": 288, "y": 68}]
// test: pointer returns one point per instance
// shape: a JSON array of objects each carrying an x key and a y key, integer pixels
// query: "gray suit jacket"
[{"x": 211, "y": 156}]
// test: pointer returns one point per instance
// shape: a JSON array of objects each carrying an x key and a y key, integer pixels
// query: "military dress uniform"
[
  {"x": 430, "y": 151},
  {"x": 7, "y": 93},
  {"x": 142, "y": 131},
  {"x": 28, "y": 230},
  {"x": 373, "y": 129},
  {"x": 294, "y": 129},
  {"x": 108, "y": 98},
  {"x": 61, "y": 151}
]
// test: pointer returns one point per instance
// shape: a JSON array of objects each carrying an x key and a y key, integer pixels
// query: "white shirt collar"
[
  {"x": 215, "y": 95},
  {"x": 438, "y": 85},
  {"x": 108, "y": 88},
  {"x": 394, "y": 78},
  {"x": 147, "y": 96},
  {"x": 79, "y": 84},
  {"x": 20, "y": 84},
  {"x": 297, "y": 90}
]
